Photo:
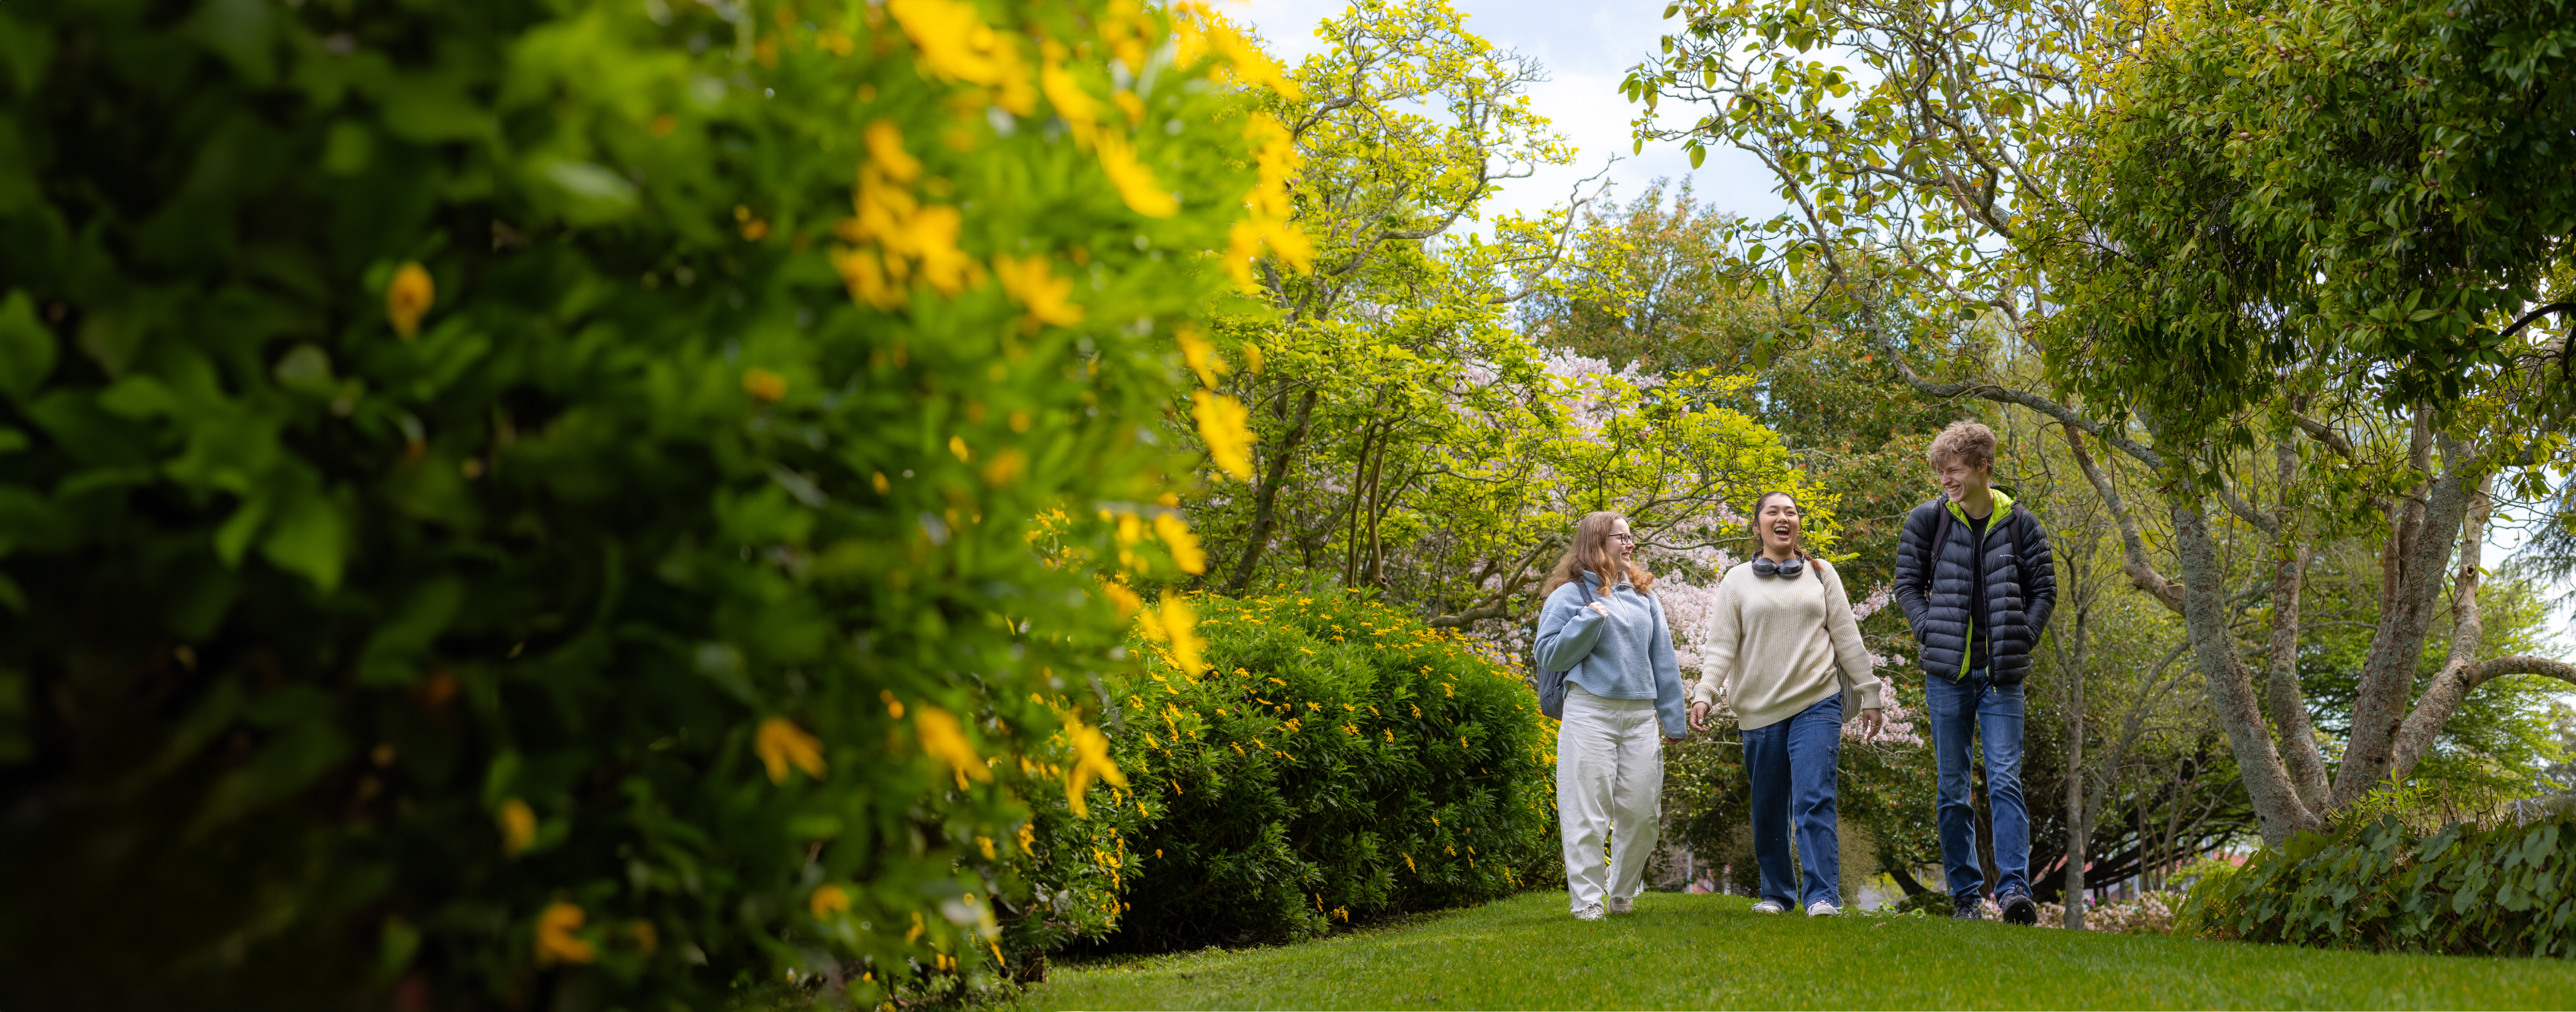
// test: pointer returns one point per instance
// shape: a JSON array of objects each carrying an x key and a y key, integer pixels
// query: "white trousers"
[{"x": 1609, "y": 782}]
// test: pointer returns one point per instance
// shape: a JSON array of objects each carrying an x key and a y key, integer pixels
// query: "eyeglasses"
[{"x": 1625, "y": 539}]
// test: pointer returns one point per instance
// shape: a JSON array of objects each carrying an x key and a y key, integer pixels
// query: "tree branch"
[{"x": 2142, "y": 573}]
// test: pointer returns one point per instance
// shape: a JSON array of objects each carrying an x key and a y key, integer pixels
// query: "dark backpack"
[{"x": 1551, "y": 684}]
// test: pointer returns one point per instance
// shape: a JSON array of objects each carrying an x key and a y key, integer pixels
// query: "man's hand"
[
  {"x": 1871, "y": 720},
  {"x": 1699, "y": 716}
]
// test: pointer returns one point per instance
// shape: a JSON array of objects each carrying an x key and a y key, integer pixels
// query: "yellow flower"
[
  {"x": 408, "y": 298},
  {"x": 1091, "y": 759},
  {"x": 1134, "y": 181},
  {"x": 1199, "y": 354},
  {"x": 518, "y": 826},
  {"x": 556, "y": 942},
  {"x": 1201, "y": 30},
  {"x": 647, "y": 937},
  {"x": 1034, "y": 284},
  {"x": 1126, "y": 600},
  {"x": 942, "y": 738},
  {"x": 956, "y": 44},
  {"x": 952, "y": 40},
  {"x": 1268, "y": 224},
  {"x": 930, "y": 237},
  {"x": 866, "y": 277},
  {"x": 1221, "y": 424},
  {"x": 1185, "y": 545},
  {"x": 828, "y": 900},
  {"x": 1180, "y": 622},
  {"x": 1006, "y": 467},
  {"x": 781, "y": 743},
  {"x": 1075, "y": 106},
  {"x": 763, "y": 385},
  {"x": 885, "y": 149}
]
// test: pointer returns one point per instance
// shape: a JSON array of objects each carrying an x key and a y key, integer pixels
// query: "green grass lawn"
[{"x": 1682, "y": 951}]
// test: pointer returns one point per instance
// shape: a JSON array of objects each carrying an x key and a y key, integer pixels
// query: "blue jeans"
[
  {"x": 1974, "y": 705},
  {"x": 1791, "y": 764}
]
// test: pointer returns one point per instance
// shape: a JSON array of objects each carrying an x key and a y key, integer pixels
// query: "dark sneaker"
[
  {"x": 1973, "y": 910},
  {"x": 2018, "y": 908}
]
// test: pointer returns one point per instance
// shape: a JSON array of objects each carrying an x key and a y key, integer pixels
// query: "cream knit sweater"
[{"x": 1776, "y": 647}]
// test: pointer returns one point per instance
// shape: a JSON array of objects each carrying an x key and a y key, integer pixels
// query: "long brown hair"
[
  {"x": 1753, "y": 524},
  {"x": 1591, "y": 553}
]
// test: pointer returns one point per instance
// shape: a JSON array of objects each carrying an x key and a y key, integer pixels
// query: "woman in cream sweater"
[{"x": 1783, "y": 646}]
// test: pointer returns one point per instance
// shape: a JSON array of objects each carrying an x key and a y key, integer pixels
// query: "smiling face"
[
  {"x": 1959, "y": 479},
  {"x": 1622, "y": 543},
  {"x": 1777, "y": 522}
]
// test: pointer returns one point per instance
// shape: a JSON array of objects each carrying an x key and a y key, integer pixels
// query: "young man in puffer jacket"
[{"x": 1974, "y": 576}]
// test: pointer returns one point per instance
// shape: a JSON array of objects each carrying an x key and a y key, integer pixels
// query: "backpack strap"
[
  {"x": 2019, "y": 519},
  {"x": 1932, "y": 548}
]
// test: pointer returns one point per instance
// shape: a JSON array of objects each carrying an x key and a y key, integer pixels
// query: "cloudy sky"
[{"x": 1587, "y": 49}]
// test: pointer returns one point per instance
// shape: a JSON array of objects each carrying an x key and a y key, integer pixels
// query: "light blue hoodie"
[{"x": 1625, "y": 655}]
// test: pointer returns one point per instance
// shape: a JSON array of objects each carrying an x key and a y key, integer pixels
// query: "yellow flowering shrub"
[
  {"x": 1336, "y": 760},
  {"x": 528, "y": 502}
]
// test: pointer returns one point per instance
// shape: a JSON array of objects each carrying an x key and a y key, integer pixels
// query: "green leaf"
[
  {"x": 391, "y": 656},
  {"x": 243, "y": 32},
  {"x": 594, "y": 193},
  {"x": 433, "y": 110},
  {"x": 304, "y": 367},
  {"x": 233, "y": 537},
  {"x": 24, "y": 51},
  {"x": 309, "y": 539},
  {"x": 27, "y": 346}
]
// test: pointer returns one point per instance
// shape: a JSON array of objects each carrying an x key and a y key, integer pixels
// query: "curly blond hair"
[{"x": 1971, "y": 443}]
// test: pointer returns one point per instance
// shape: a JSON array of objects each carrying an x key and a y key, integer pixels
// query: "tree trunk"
[
  {"x": 2078, "y": 831},
  {"x": 2289, "y": 705},
  {"x": 2411, "y": 595},
  {"x": 1265, "y": 499},
  {"x": 2230, "y": 685},
  {"x": 2468, "y": 626}
]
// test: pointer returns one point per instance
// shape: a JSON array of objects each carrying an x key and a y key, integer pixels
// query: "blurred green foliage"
[{"x": 491, "y": 514}]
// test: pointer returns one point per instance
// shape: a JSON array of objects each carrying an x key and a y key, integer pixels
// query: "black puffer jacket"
[{"x": 2020, "y": 592}]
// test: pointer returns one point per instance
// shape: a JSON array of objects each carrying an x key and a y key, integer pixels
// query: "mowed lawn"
[{"x": 1682, "y": 951}]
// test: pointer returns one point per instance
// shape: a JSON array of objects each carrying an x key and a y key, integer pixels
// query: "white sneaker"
[
  {"x": 1623, "y": 905},
  {"x": 1770, "y": 907},
  {"x": 1821, "y": 908},
  {"x": 1589, "y": 913}
]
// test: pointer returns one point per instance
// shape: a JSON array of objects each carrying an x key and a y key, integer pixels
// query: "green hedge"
[
  {"x": 1340, "y": 761},
  {"x": 2508, "y": 891},
  {"x": 525, "y": 502}
]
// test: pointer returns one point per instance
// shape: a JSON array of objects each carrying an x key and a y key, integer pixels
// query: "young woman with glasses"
[
  {"x": 1604, "y": 628},
  {"x": 1783, "y": 646}
]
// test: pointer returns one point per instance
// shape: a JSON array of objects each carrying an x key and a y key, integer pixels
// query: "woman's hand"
[
  {"x": 1871, "y": 720},
  {"x": 1596, "y": 606},
  {"x": 1699, "y": 716}
]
